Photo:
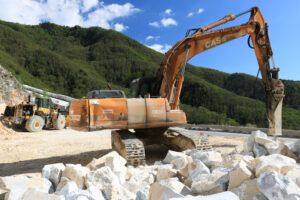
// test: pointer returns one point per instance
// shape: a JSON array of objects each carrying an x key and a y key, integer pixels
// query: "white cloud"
[
  {"x": 154, "y": 24},
  {"x": 160, "y": 48},
  {"x": 65, "y": 12},
  {"x": 168, "y": 22},
  {"x": 88, "y": 4},
  {"x": 168, "y": 11},
  {"x": 120, "y": 27},
  {"x": 200, "y": 10},
  {"x": 150, "y": 37},
  {"x": 190, "y": 14}
]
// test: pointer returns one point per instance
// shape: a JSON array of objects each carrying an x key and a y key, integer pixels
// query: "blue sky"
[{"x": 160, "y": 24}]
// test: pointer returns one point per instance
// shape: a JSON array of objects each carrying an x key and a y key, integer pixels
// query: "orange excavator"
[{"x": 155, "y": 103}]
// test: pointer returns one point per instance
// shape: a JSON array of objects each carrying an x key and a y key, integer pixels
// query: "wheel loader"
[
  {"x": 154, "y": 106},
  {"x": 34, "y": 116}
]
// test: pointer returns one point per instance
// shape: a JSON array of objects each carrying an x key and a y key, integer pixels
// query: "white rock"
[
  {"x": 3, "y": 193},
  {"x": 247, "y": 190},
  {"x": 259, "y": 197},
  {"x": 117, "y": 164},
  {"x": 70, "y": 187},
  {"x": 189, "y": 152},
  {"x": 105, "y": 180},
  {"x": 92, "y": 193},
  {"x": 32, "y": 194},
  {"x": 212, "y": 183},
  {"x": 196, "y": 174},
  {"x": 263, "y": 141},
  {"x": 139, "y": 178},
  {"x": 238, "y": 175},
  {"x": 95, "y": 193},
  {"x": 172, "y": 155},
  {"x": 17, "y": 185},
  {"x": 276, "y": 186},
  {"x": 294, "y": 175},
  {"x": 259, "y": 150},
  {"x": 249, "y": 142},
  {"x": 295, "y": 147},
  {"x": 210, "y": 158},
  {"x": 53, "y": 172},
  {"x": 231, "y": 161},
  {"x": 220, "y": 196},
  {"x": 180, "y": 163},
  {"x": 158, "y": 162},
  {"x": 239, "y": 148},
  {"x": 274, "y": 162},
  {"x": 124, "y": 194},
  {"x": 162, "y": 192},
  {"x": 75, "y": 173},
  {"x": 188, "y": 168},
  {"x": 165, "y": 172},
  {"x": 100, "y": 162},
  {"x": 142, "y": 195},
  {"x": 176, "y": 186}
]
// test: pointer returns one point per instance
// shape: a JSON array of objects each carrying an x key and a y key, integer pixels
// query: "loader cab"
[
  {"x": 43, "y": 104},
  {"x": 141, "y": 87}
]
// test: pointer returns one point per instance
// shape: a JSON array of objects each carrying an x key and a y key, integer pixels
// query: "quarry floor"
[{"x": 23, "y": 152}]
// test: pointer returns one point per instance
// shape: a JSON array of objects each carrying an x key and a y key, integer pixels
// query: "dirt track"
[
  {"x": 24, "y": 152},
  {"x": 27, "y": 152}
]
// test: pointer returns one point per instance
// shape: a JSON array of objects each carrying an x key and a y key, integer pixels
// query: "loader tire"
[
  {"x": 34, "y": 124},
  {"x": 59, "y": 123}
]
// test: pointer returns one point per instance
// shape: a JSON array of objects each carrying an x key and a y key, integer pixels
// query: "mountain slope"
[{"x": 75, "y": 60}]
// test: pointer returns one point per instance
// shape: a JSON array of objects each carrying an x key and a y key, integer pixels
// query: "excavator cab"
[{"x": 141, "y": 87}]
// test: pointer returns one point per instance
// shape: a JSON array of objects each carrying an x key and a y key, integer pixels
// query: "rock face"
[
  {"x": 11, "y": 91},
  {"x": 277, "y": 187},
  {"x": 274, "y": 162},
  {"x": 53, "y": 173}
]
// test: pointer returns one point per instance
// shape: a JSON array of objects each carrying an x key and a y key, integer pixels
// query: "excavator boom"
[{"x": 171, "y": 73}]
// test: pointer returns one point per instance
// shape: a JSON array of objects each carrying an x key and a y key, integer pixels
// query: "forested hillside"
[{"x": 75, "y": 60}]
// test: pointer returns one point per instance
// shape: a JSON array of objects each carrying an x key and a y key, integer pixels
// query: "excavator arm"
[{"x": 171, "y": 73}]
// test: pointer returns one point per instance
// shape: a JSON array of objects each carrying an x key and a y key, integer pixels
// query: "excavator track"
[
  {"x": 200, "y": 142},
  {"x": 129, "y": 146},
  {"x": 132, "y": 148}
]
